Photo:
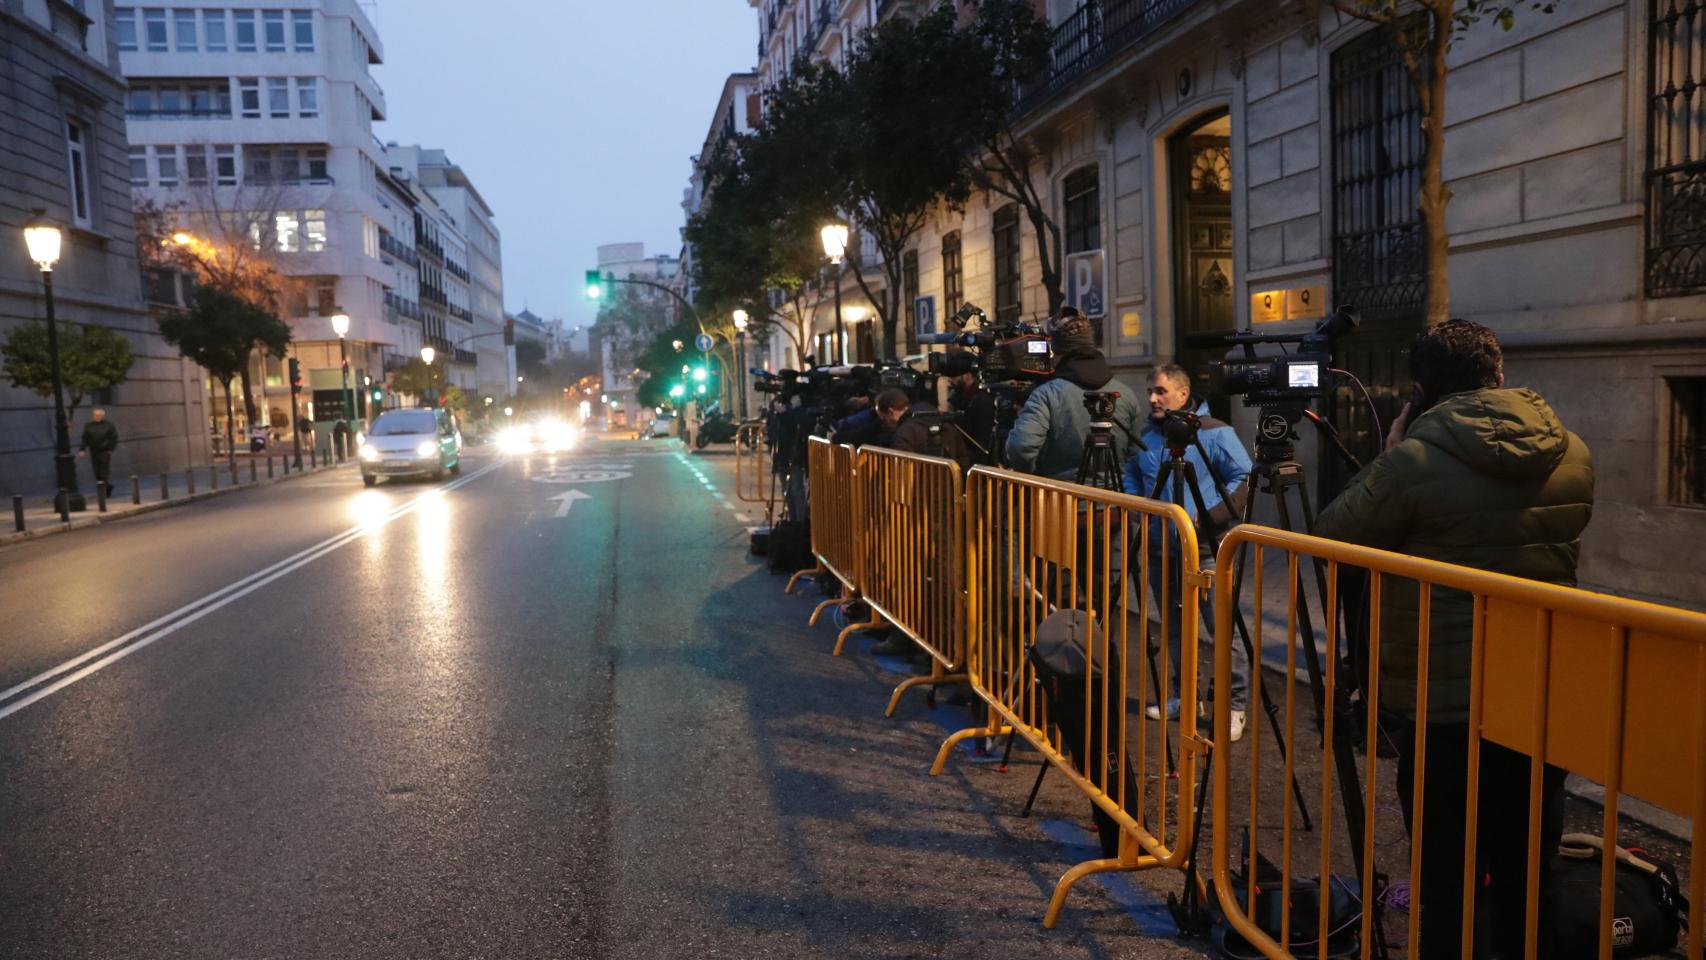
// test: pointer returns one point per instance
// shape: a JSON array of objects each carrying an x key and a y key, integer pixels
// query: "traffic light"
[
  {"x": 699, "y": 374},
  {"x": 378, "y": 395},
  {"x": 295, "y": 374},
  {"x": 597, "y": 285},
  {"x": 509, "y": 332},
  {"x": 701, "y": 389},
  {"x": 677, "y": 390}
]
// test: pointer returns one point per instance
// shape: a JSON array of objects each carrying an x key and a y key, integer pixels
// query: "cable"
[{"x": 1373, "y": 413}]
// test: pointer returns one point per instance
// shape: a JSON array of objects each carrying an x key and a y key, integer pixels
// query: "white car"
[
  {"x": 663, "y": 427},
  {"x": 405, "y": 443}
]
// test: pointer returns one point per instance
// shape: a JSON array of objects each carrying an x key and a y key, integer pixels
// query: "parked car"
[
  {"x": 411, "y": 443},
  {"x": 663, "y": 427}
]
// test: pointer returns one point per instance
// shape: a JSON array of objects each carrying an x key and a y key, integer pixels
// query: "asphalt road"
[{"x": 471, "y": 720}]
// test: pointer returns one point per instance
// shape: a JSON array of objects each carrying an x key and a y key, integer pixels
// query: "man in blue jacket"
[{"x": 1170, "y": 390}]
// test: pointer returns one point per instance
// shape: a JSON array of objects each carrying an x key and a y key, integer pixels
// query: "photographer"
[
  {"x": 975, "y": 405},
  {"x": 1170, "y": 398},
  {"x": 1483, "y": 476},
  {"x": 862, "y": 426},
  {"x": 1048, "y": 436}
]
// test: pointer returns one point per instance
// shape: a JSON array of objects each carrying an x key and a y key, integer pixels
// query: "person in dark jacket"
[
  {"x": 1484, "y": 476},
  {"x": 100, "y": 439},
  {"x": 1169, "y": 390},
  {"x": 975, "y": 406},
  {"x": 1048, "y": 436}
]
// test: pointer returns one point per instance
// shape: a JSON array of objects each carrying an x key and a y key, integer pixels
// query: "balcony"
[
  {"x": 1094, "y": 35},
  {"x": 391, "y": 245},
  {"x": 466, "y": 356},
  {"x": 433, "y": 295},
  {"x": 461, "y": 313},
  {"x": 457, "y": 270},
  {"x": 185, "y": 113}
]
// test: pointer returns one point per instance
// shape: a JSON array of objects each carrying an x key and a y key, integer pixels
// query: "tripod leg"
[
  {"x": 1271, "y": 710},
  {"x": 1042, "y": 771}
]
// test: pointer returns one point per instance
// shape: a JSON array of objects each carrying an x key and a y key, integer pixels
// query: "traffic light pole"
[{"x": 296, "y": 412}]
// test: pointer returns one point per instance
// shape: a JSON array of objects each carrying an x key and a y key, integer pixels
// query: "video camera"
[
  {"x": 1101, "y": 404},
  {"x": 1006, "y": 351},
  {"x": 1296, "y": 377}
]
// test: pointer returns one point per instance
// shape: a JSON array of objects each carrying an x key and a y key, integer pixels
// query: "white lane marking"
[
  {"x": 196, "y": 609},
  {"x": 581, "y": 476},
  {"x": 567, "y": 500}
]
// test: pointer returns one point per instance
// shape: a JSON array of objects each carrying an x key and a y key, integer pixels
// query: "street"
[{"x": 485, "y": 719}]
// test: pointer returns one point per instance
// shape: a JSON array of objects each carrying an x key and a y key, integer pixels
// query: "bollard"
[
  {"x": 135, "y": 490},
  {"x": 234, "y": 480},
  {"x": 100, "y": 496},
  {"x": 165, "y": 491},
  {"x": 213, "y": 477},
  {"x": 286, "y": 466},
  {"x": 189, "y": 481},
  {"x": 269, "y": 467},
  {"x": 314, "y": 457},
  {"x": 252, "y": 476},
  {"x": 64, "y": 502},
  {"x": 18, "y": 512}
]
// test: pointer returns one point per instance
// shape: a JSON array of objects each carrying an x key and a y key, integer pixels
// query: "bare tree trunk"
[
  {"x": 230, "y": 418},
  {"x": 1435, "y": 194},
  {"x": 248, "y": 390}
]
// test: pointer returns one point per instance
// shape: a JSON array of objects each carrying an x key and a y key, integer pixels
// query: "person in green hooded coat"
[{"x": 1481, "y": 475}]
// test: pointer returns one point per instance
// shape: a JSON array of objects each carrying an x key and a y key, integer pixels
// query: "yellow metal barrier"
[
  {"x": 755, "y": 482},
  {"x": 1613, "y": 690},
  {"x": 839, "y": 525},
  {"x": 1036, "y": 546},
  {"x": 915, "y": 536}
]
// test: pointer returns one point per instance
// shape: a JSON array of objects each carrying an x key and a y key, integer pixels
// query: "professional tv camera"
[
  {"x": 1011, "y": 358},
  {"x": 1298, "y": 376}
]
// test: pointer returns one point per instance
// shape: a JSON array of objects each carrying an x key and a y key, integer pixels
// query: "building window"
[
  {"x": 1687, "y": 440},
  {"x": 77, "y": 150},
  {"x": 953, "y": 281},
  {"x": 245, "y": 20},
  {"x": 140, "y": 102},
  {"x": 1083, "y": 194},
  {"x": 307, "y": 97},
  {"x": 184, "y": 26},
  {"x": 213, "y": 30},
  {"x": 1676, "y": 157},
  {"x": 195, "y": 165},
  {"x": 294, "y": 231},
  {"x": 302, "y": 27},
  {"x": 166, "y": 166},
  {"x": 139, "y": 166},
  {"x": 1006, "y": 229},
  {"x": 154, "y": 29},
  {"x": 225, "y": 165},
  {"x": 249, "y": 97},
  {"x": 125, "y": 22},
  {"x": 909, "y": 297},
  {"x": 278, "y": 97},
  {"x": 1378, "y": 257},
  {"x": 273, "y": 22}
]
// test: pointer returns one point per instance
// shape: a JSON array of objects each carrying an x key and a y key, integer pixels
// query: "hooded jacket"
[
  {"x": 1048, "y": 435},
  {"x": 1487, "y": 479}
]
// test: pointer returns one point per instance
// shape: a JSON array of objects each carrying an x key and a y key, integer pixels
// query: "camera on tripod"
[
  {"x": 1101, "y": 404},
  {"x": 1298, "y": 376},
  {"x": 1179, "y": 429},
  {"x": 1006, "y": 350}
]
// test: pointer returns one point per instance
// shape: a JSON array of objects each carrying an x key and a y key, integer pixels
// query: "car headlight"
[
  {"x": 367, "y": 452},
  {"x": 426, "y": 449}
]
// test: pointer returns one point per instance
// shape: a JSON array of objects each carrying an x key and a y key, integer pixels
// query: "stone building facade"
[
  {"x": 64, "y": 151},
  {"x": 1250, "y": 164}
]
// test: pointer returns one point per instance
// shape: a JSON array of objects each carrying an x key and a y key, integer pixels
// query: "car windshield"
[{"x": 394, "y": 424}]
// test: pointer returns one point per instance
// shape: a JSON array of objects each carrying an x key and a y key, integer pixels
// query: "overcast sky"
[{"x": 575, "y": 119}]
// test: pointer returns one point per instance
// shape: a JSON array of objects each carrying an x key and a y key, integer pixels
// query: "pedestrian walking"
[{"x": 100, "y": 439}]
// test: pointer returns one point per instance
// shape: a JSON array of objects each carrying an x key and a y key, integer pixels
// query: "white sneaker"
[{"x": 1239, "y": 720}]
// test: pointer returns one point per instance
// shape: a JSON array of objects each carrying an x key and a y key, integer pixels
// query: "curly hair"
[{"x": 1456, "y": 356}]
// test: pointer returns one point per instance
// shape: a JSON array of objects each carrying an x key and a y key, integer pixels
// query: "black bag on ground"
[
  {"x": 1344, "y": 913},
  {"x": 1647, "y": 917},
  {"x": 790, "y": 548},
  {"x": 1064, "y": 651}
]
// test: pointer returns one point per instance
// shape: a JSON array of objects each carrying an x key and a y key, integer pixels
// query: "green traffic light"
[
  {"x": 677, "y": 390},
  {"x": 593, "y": 292},
  {"x": 701, "y": 389},
  {"x": 699, "y": 374}
]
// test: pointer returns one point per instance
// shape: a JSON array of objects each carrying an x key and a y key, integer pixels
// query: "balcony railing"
[
  {"x": 186, "y": 113},
  {"x": 464, "y": 355},
  {"x": 433, "y": 295},
  {"x": 457, "y": 270},
  {"x": 391, "y": 245},
  {"x": 460, "y": 313},
  {"x": 1092, "y": 36}
]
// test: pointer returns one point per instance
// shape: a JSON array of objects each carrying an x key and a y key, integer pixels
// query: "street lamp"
[
  {"x": 427, "y": 356},
  {"x": 741, "y": 321},
  {"x": 835, "y": 248},
  {"x": 43, "y": 238},
  {"x": 340, "y": 326}
]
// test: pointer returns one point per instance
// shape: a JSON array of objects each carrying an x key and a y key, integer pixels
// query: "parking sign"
[{"x": 1084, "y": 282}]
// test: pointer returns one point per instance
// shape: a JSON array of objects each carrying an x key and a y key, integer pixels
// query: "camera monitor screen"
[
  {"x": 1303, "y": 375},
  {"x": 1036, "y": 346}
]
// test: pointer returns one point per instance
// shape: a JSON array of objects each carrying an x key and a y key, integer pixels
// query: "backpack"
[
  {"x": 1344, "y": 913},
  {"x": 790, "y": 546}
]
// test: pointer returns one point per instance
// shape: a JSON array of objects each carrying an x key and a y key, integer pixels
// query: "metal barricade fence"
[
  {"x": 1037, "y": 546},
  {"x": 838, "y": 524},
  {"x": 1610, "y": 689},
  {"x": 914, "y": 576},
  {"x": 755, "y": 482}
]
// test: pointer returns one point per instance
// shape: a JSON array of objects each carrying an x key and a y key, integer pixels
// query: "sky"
[{"x": 575, "y": 119}]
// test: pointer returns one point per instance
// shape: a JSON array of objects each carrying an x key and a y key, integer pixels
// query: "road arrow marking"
[{"x": 567, "y": 500}]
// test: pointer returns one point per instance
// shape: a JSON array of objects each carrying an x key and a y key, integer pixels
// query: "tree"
[
  {"x": 414, "y": 377},
  {"x": 529, "y": 357},
  {"x": 219, "y": 331},
  {"x": 91, "y": 359},
  {"x": 1423, "y": 31}
]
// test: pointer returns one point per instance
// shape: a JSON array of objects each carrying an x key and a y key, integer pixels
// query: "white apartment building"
[
  {"x": 629, "y": 261},
  {"x": 255, "y": 121}
]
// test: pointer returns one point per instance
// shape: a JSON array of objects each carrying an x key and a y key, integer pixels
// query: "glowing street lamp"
[
  {"x": 44, "y": 240},
  {"x": 835, "y": 248}
]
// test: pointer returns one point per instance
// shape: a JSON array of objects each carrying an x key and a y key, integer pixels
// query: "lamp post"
[
  {"x": 427, "y": 355},
  {"x": 740, "y": 358},
  {"x": 43, "y": 238},
  {"x": 340, "y": 326},
  {"x": 835, "y": 247}
]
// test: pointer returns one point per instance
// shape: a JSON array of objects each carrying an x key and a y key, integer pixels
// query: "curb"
[{"x": 98, "y": 519}]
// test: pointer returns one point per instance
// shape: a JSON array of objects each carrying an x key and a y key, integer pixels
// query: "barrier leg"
[
  {"x": 955, "y": 739},
  {"x": 817, "y": 611},
  {"x": 816, "y": 571},
  {"x": 938, "y": 675},
  {"x": 1128, "y": 860},
  {"x": 852, "y": 628}
]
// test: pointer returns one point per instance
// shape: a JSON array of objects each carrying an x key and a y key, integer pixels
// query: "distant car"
[
  {"x": 663, "y": 426},
  {"x": 411, "y": 443}
]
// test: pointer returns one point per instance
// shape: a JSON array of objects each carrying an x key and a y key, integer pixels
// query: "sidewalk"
[{"x": 157, "y": 492}]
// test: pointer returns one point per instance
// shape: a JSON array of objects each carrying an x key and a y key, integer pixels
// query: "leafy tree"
[
  {"x": 414, "y": 377},
  {"x": 91, "y": 359},
  {"x": 1423, "y": 31},
  {"x": 219, "y": 331},
  {"x": 529, "y": 357}
]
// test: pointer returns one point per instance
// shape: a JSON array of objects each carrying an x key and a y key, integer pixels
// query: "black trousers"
[
  {"x": 102, "y": 463},
  {"x": 1501, "y": 841}
]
